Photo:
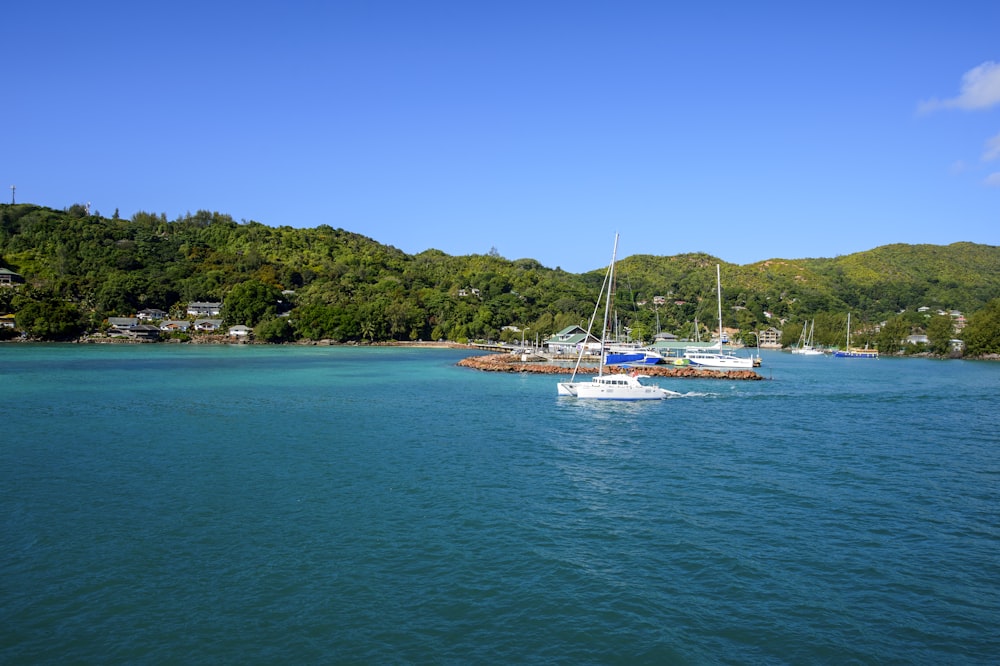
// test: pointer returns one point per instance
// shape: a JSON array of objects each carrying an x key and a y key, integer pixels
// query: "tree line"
[{"x": 328, "y": 283}]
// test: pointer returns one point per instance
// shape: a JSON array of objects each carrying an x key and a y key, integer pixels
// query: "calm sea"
[{"x": 245, "y": 504}]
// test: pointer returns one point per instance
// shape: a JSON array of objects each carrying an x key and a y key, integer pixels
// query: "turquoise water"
[{"x": 198, "y": 504}]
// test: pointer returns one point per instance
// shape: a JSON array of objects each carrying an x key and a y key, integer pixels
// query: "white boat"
[
  {"x": 850, "y": 352},
  {"x": 610, "y": 386},
  {"x": 806, "y": 347},
  {"x": 714, "y": 356},
  {"x": 614, "y": 386}
]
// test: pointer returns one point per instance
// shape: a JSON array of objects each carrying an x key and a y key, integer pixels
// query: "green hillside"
[{"x": 344, "y": 286}]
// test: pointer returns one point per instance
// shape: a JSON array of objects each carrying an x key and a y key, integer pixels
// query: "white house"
[
  {"x": 119, "y": 326},
  {"x": 174, "y": 325},
  {"x": 151, "y": 314},
  {"x": 207, "y": 324},
  {"x": 204, "y": 309}
]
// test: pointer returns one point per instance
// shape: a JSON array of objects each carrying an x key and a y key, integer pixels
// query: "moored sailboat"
[
  {"x": 849, "y": 352},
  {"x": 714, "y": 356},
  {"x": 806, "y": 347}
]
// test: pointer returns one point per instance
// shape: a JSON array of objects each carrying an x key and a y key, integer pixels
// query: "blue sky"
[{"x": 746, "y": 130}]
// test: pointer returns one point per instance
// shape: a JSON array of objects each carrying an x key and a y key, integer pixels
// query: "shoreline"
[{"x": 226, "y": 340}]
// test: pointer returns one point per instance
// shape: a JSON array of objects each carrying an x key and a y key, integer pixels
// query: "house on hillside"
[
  {"x": 770, "y": 338},
  {"x": 207, "y": 325},
  {"x": 9, "y": 278},
  {"x": 204, "y": 309},
  {"x": 151, "y": 314},
  {"x": 120, "y": 326},
  {"x": 240, "y": 332},
  {"x": 145, "y": 332},
  {"x": 175, "y": 325}
]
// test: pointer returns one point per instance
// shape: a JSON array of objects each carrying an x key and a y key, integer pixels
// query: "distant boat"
[
  {"x": 848, "y": 352},
  {"x": 612, "y": 386},
  {"x": 631, "y": 354},
  {"x": 623, "y": 357},
  {"x": 711, "y": 357},
  {"x": 806, "y": 347},
  {"x": 714, "y": 357}
]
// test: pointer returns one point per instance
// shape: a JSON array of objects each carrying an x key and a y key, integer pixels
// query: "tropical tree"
[
  {"x": 250, "y": 303},
  {"x": 50, "y": 319},
  {"x": 982, "y": 332},
  {"x": 368, "y": 329},
  {"x": 277, "y": 329},
  {"x": 315, "y": 321},
  {"x": 892, "y": 334},
  {"x": 940, "y": 331}
]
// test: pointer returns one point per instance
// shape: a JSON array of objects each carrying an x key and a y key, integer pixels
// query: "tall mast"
[
  {"x": 607, "y": 304},
  {"x": 718, "y": 284}
]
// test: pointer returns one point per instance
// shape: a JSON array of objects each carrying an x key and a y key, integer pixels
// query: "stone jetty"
[{"x": 513, "y": 363}]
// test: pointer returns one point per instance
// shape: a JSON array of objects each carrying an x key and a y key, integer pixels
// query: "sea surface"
[{"x": 261, "y": 505}]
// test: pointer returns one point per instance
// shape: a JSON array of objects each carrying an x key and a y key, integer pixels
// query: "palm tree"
[{"x": 368, "y": 330}]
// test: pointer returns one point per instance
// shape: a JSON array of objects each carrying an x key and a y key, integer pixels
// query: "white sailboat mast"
[
  {"x": 607, "y": 305},
  {"x": 718, "y": 286}
]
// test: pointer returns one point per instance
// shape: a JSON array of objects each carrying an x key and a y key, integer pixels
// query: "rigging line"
[{"x": 593, "y": 317}]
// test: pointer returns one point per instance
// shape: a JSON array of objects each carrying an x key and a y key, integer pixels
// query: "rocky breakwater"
[{"x": 512, "y": 363}]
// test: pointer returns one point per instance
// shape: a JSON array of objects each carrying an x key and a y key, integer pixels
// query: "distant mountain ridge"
[{"x": 886, "y": 279}]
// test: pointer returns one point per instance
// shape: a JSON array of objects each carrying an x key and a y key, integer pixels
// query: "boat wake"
[{"x": 689, "y": 394}]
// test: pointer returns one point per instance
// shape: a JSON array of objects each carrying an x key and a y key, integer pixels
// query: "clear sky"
[{"x": 746, "y": 130}]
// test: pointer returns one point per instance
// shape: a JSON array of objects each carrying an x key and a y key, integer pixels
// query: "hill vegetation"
[{"x": 333, "y": 284}]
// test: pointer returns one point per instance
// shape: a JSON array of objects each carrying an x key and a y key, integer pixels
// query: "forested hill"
[{"x": 345, "y": 286}]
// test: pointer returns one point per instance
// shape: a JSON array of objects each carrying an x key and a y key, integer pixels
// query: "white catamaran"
[{"x": 611, "y": 386}]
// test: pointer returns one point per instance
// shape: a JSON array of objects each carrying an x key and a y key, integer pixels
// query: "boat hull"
[
  {"x": 807, "y": 351},
  {"x": 613, "y": 387},
  {"x": 620, "y": 358},
  {"x": 857, "y": 354},
  {"x": 567, "y": 388},
  {"x": 632, "y": 358},
  {"x": 719, "y": 361}
]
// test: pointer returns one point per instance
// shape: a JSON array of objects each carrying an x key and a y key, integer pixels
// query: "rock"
[{"x": 509, "y": 363}]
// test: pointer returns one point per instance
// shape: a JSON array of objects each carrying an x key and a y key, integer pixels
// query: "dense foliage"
[
  {"x": 982, "y": 335},
  {"x": 82, "y": 268}
]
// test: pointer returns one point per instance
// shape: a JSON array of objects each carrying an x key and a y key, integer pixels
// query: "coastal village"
[{"x": 203, "y": 322}]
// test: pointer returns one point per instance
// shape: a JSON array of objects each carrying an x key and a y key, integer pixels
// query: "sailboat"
[
  {"x": 714, "y": 357},
  {"x": 848, "y": 352},
  {"x": 609, "y": 386},
  {"x": 806, "y": 347}
]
